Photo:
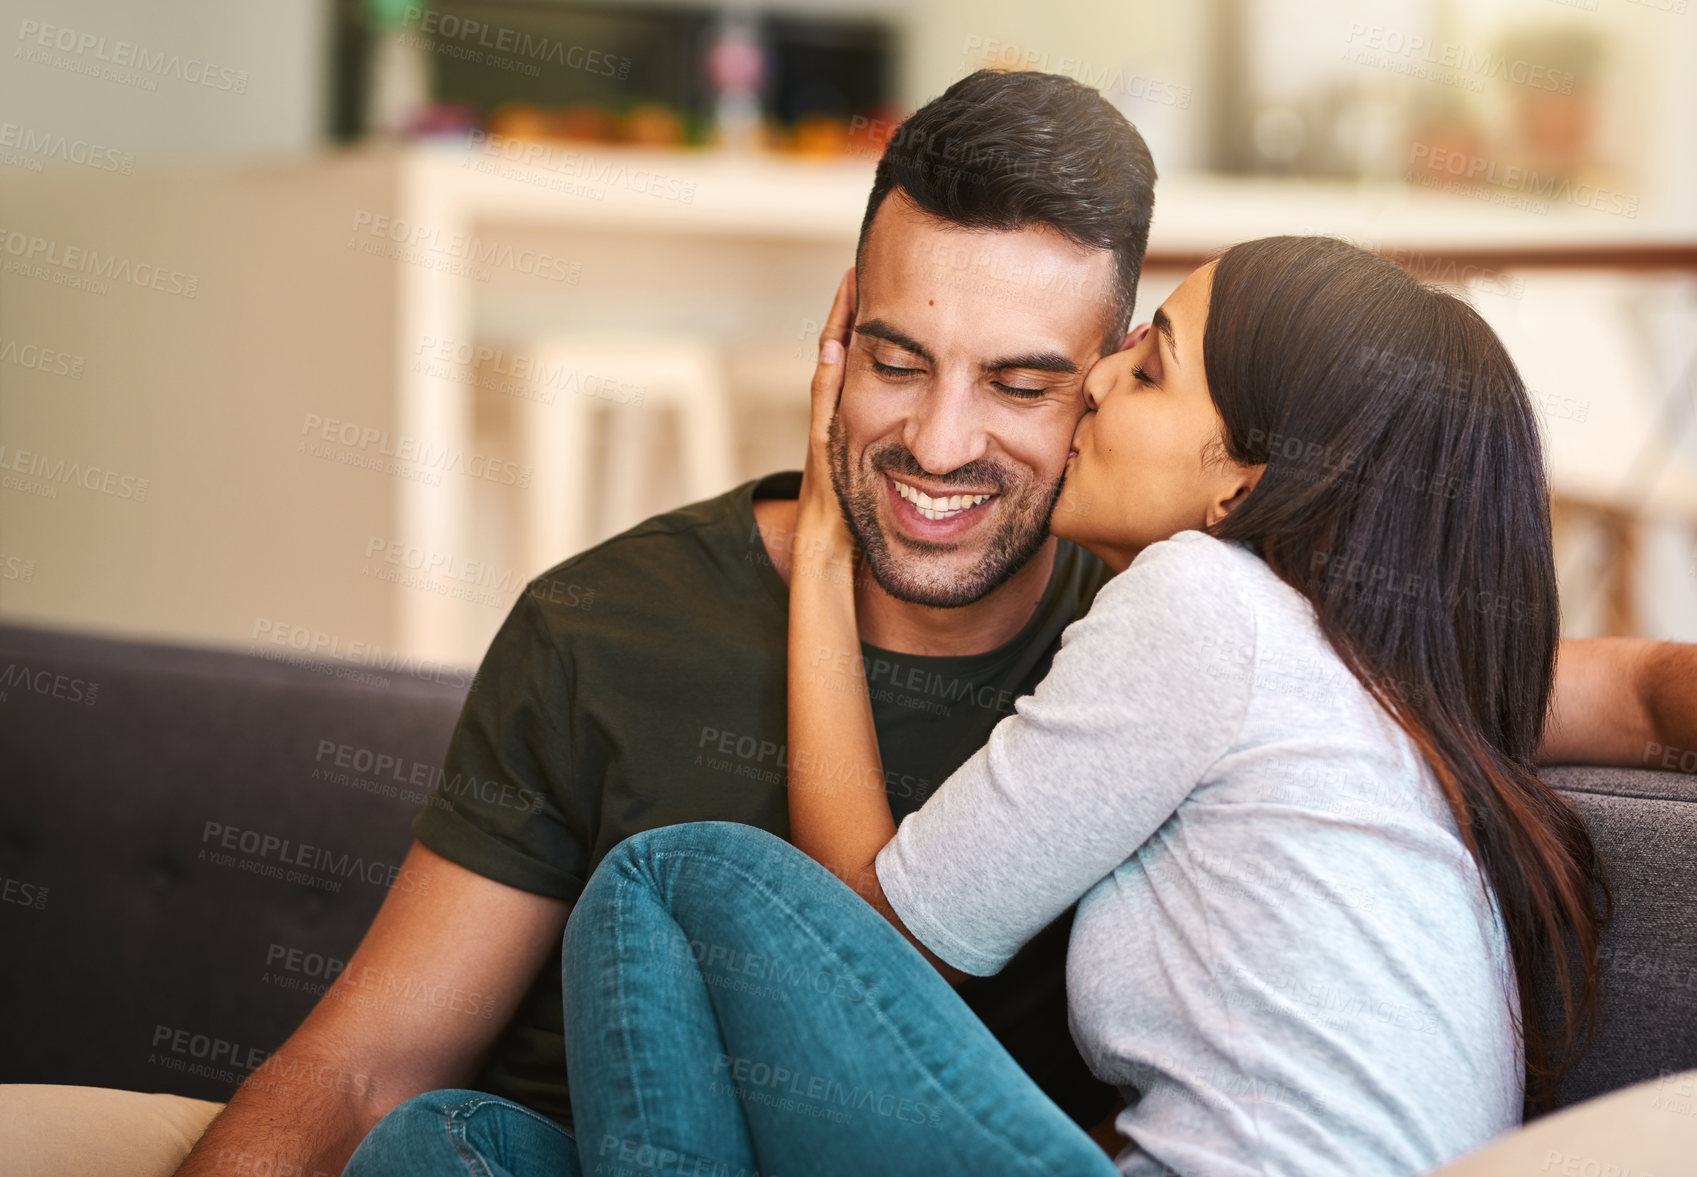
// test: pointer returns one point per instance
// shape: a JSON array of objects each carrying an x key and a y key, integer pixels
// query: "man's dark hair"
[{"x": 1008, "y": 150}]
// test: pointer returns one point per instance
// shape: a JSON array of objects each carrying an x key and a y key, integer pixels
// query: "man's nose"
[{"x": 944, "y": 432}]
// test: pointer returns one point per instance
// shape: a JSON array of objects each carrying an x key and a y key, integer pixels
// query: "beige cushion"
[
  {"x": 1647, "y": 1130},
  {"x": 52, "y": 1131}
]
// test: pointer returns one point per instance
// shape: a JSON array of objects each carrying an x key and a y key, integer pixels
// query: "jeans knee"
[
  {"x": 731, "y": 840},
  {"x": 688, "y": 855},
  {"x": 430, "y": 1134},
  {"x": 643, "y": 857},
  {"x": 422, "y": 1112},
  {"x": 405, "y": 1135}
]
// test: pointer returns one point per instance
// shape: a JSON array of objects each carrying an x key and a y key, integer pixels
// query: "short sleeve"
[
  {"x": 1146, "y": 691},
  {"x": 496, "y": 809}
]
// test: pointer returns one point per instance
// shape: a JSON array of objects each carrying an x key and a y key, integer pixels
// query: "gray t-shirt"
[{"x": 1283, "y": 956}]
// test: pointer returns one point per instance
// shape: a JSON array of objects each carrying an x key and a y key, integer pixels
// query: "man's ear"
[
  {"x": 1134, "y": 337},
  {"x": 1233, "y": 491}
]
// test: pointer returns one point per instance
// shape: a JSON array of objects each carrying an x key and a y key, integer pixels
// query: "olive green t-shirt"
[{"x": 642, "y": 683}]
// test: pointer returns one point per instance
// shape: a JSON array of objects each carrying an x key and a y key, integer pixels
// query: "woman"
[{"x": 1283, "y": 766}]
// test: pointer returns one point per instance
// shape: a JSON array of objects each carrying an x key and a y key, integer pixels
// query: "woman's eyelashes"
[{"x": 1139, "y": 375}]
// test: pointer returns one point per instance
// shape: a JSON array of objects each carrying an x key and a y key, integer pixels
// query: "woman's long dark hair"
[{"x": 1405, "y": 496}]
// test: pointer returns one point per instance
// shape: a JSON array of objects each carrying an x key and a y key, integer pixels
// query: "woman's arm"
[{"x": 839, "y": 811}]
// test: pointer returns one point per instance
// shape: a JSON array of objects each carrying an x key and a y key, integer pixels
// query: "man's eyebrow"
[
  {"x": 1045, "y": 361},
  {"x": 879, "y": 329},
  {"x": 1164, "y": 325}
]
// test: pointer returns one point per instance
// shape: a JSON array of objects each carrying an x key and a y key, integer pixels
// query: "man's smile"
[{"x": 915, "y": 503}]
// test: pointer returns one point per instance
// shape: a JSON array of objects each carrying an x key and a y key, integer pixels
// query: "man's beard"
[{"x": 905, "y": 576}]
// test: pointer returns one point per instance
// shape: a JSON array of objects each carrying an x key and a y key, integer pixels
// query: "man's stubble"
[{"x": 1027, "y": 508}]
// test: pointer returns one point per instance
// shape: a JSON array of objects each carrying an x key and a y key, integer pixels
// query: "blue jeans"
[
  {"x": 733, "y": 1009},
  {"x": 458, "y": 1133}
]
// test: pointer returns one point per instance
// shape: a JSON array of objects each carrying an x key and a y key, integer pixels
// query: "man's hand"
[{"x": 1630, "y": 702}]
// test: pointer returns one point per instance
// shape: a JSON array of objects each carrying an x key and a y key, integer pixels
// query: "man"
[{"x": 998, "y": 259}]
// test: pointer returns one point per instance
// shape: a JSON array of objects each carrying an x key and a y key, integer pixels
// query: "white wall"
[{"x": 267, "y": 98}]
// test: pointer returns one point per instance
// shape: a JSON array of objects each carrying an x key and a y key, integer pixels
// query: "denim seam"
[
  {"x": 619, "y": 982},
  {"x": 458, "y": 1115},
  {"x": 778, "y": 900},
  {"x": 482, "y": 1101},
  {"x": 454, "y": 1122}
]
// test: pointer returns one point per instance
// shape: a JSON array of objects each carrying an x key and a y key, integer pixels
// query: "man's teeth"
[{"x": 944, "y": 507}]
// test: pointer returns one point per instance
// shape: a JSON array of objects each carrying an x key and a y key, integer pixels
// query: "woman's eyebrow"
[{"x": 1164, "y": 325}]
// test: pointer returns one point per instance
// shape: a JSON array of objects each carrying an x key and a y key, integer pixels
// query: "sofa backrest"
[
  {"x": 1644, "y": 824},
  {"x": 191, "y": 840},
  {"x": 188, "y": 840}
]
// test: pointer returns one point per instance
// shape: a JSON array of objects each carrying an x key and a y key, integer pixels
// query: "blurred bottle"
[
  {"x": 400, "y": 71},
  {"x": 736, "y": 66}
]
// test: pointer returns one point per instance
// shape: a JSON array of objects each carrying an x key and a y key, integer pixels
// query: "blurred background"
[{"x": 327, "y": 324}]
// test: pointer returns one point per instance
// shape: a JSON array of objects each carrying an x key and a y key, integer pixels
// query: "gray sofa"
[{"x": 190, "y": 838}]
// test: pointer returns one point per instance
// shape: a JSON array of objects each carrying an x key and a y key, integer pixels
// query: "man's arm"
[
  {"x": 363, "y": 1048},
  {"x": 1623, "y": 701}
]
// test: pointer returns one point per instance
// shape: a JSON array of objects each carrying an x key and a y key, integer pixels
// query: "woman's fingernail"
[{"x": 831, "y": 352}]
